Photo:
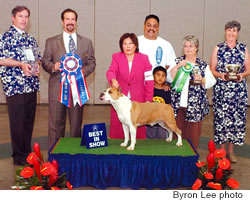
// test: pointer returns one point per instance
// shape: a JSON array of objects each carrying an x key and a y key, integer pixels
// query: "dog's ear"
[{"x": 119, "y": 89}]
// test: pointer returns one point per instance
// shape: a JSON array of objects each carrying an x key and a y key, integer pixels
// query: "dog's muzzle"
[{"x": 101, "y": 97}]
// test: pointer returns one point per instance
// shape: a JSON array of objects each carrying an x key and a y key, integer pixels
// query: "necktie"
[{"x": 72, "y": 45}]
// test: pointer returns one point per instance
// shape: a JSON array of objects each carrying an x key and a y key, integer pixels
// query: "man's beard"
[{"x": 70, "y": 27}]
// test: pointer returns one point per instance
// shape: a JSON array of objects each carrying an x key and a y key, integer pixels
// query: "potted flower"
[
  {"x": 215, "y": 174},
  {"x": 40, "y": 175}
]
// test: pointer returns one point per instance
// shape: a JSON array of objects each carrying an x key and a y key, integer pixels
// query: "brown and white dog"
[{"x": 132, "y": 114}]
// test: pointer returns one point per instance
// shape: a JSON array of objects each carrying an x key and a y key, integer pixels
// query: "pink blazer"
[{"x": 139, "y": 82}]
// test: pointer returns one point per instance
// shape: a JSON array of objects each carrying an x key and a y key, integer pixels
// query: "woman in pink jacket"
[{"x": 132, "y": 72}]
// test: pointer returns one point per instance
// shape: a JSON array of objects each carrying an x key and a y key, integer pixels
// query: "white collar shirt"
[{"x": 66, "y": 40}]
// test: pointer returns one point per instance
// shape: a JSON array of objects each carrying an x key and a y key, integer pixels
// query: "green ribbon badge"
[{"x": 181, "y": 77}]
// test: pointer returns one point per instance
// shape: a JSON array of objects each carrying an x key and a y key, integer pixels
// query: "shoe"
[{"x": 232, "y": 157}]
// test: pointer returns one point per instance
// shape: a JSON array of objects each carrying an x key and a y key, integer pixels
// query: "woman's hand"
[
  {"x": 241, "y": 77},
  {"x": 175, "y": 69},
  {"x": 114, "y": 83},
  {"x": 222, "y": 76},
  {"x": 197, "y": 77},
  {"x": 182, "y": 63},
  {"x": 166, "y": 87}
]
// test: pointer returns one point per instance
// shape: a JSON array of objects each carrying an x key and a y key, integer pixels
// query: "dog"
[{"x": 133, "y": 114}]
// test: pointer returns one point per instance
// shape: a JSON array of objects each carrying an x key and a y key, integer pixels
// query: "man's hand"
[
  {"x": 57, "y": 66},
  {"x": 26, "y": 69},
  {"x": 36, "y": 73}
]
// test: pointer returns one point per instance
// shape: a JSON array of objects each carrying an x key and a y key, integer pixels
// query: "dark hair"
[
  {"x": 159, "y": 68},
  {"x": 68, "y": 10},
  {"x": 134, "y": 39},
  {"x": 152, "y": 16},
  {"x": 233, "y": 24},
  {"x": 19, "y": 9}
]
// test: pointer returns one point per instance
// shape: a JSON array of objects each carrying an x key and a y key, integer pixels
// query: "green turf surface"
[{"x": 143, "y": 147}]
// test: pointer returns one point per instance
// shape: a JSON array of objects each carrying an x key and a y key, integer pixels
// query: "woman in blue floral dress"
[
  {"x": 230, "y": 96},
  {"x": 190, "y": 103}
]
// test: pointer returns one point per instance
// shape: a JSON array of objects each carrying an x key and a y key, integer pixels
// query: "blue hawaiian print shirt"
[{"x": 13, "y": 79}]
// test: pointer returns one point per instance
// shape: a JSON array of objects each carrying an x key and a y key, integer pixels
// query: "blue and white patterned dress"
[
  {"x": 230, "y": 98},
  {"x": 197, "y": 105}
]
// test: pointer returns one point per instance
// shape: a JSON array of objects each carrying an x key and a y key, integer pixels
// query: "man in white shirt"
[
  {"x": 159, "y": 51},
  {"x": 56, "y": 47}
]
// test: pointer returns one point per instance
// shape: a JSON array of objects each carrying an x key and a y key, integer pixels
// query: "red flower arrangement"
[
  {"x": 27, "y": 172},
  {"x": 215, "y": 174},
  {"x": 43, "y": 175}
]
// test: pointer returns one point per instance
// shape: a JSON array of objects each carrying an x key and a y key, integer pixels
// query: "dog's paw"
[
  {"x": 169, "y": 139},
  {"x": 179, "y": 144},
  {"x": 124, "y": 144},
  {"x": 131, "y": 148}
]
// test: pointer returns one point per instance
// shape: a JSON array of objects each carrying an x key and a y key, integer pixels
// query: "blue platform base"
[{"x": 99, "y": 170}]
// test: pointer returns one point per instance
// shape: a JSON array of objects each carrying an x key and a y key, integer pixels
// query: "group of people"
[
  {"x": 21, "y": 85},
  {"x": 146, "y": 69},
  {"x": 183, "y": 82}
]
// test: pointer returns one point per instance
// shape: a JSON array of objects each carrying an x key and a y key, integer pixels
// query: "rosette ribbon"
[
  {"x": 72, "y": 81},
  {"x": 181, "y": 77}
]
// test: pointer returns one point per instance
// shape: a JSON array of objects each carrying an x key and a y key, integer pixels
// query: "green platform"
[{"x": 153, "y": 147}]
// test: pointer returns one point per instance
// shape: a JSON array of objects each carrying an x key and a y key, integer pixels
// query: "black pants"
[{"x": 21, "y": 109}]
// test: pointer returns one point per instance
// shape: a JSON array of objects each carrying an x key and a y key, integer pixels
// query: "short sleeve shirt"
[
  {"x": 162, "y": 96},
  {"x": 13, "y": 79}
]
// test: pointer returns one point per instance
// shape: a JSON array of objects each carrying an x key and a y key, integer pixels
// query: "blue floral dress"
[
  {"x": 197, "y": 105},
  {"x": 230, "y": 98}
]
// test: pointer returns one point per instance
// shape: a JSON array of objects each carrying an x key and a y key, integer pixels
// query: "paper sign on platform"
[{"x": 94, "y": 136}]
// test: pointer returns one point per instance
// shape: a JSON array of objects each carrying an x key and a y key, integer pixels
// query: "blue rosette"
[{"x": 73, "y": 84}]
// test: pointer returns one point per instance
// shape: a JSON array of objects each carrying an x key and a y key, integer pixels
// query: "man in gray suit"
[{"x": 55, "y": 48}]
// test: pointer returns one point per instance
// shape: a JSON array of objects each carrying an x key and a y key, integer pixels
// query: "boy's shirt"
[{"x": 162, "y": 96}]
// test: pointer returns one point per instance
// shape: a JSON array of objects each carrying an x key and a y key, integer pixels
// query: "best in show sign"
[{"x": 94, "y": 136}]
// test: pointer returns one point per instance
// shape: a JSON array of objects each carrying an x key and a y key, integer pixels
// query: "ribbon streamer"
[
  {"x": 72, "y": 81},
  {"x": 181, "y": 77}
]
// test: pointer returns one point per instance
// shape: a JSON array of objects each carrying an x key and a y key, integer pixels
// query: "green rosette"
[{"x": 181, "y": 77}]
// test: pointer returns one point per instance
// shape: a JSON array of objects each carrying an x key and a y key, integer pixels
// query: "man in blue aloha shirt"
[{"x": 20, "y": 82}]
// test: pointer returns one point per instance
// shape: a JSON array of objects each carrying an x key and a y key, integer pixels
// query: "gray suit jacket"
[{"x": 54, "y": 50}]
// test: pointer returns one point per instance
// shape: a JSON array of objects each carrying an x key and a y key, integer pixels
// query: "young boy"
[{"x": 160, "y": 96}]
